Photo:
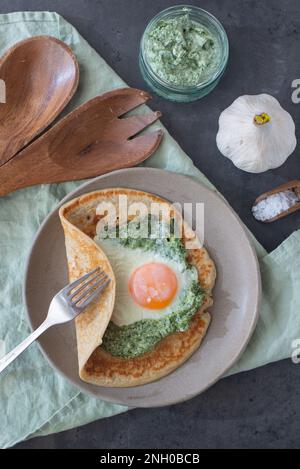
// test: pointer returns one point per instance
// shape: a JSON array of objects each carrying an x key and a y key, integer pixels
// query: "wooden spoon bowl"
[
  {"x": 41, "y": 75},
  {"x": 291, "y": 185}
]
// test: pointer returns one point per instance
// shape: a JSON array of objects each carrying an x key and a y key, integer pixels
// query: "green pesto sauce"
[
  {"x": 140, "y": 337},
  {"x": 135, "y": 339},
  {"x": 182, "y": 52}
]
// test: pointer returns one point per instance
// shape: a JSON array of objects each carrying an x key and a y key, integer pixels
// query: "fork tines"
[{"x": 83, "y": 291}]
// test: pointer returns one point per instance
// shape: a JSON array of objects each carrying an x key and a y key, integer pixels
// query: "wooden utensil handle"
[
  {"x": 297, "y": 191},
  {"x": 16, "y": 174},
  {"x": 10, "y": 179},
  {"x": 95, "y": 138},
  {"x": 38, "y": 164},
  {"x": 295, "y": 185}
]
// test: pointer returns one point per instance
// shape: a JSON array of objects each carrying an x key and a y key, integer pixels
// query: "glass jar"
[{"x": 186, "y": 93}]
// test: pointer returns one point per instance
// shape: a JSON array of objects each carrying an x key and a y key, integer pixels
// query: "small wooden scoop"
[
  {"x": 292, "y": 185},
  {"x": 40, "y": 76},
  {"x": 92, "y": 140}
]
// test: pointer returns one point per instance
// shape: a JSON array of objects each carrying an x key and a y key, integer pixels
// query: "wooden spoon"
[
  {"x": 41, "y": 75},
  {"x": 93, "y": 139},
  {"x": 291, "y": 185}
]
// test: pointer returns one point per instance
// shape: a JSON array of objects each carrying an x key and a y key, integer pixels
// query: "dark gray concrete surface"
[{"x": 255, "y": 409}]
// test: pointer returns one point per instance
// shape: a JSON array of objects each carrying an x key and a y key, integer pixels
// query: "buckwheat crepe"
[{"x": 79, "y": 220}]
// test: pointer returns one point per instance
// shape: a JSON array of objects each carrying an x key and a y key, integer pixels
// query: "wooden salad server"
[
  {"x": 40, "y": 76},
  {"x": 291, "y": 185},
  {"x": 92, "y": 140}
]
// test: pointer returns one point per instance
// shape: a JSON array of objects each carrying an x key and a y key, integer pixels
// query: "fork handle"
[{"x": 11, "y": 356}]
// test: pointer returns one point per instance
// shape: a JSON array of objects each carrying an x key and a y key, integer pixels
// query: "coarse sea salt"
[{"x": 275, "y": 204}]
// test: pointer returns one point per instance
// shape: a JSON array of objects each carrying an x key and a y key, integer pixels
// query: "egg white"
[{"x": 124, "y": 261}]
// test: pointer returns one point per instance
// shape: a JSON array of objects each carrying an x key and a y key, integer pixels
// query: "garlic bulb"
[{"x": 256, "y": 133}]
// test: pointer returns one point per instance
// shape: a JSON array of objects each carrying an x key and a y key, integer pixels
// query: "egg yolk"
[{"x": 153, "y": 285}]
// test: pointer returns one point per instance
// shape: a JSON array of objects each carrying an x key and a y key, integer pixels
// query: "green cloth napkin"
[{"x": 35, "y": 400}]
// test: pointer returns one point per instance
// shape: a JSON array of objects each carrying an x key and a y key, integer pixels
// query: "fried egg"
[{"x": 148, "y": 284}]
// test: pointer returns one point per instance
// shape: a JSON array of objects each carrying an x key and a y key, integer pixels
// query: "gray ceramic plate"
[{"x": 236, "y": 294}]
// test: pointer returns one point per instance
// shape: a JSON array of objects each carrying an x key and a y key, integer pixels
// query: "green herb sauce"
[
  {"x": 135, "y": 339},
  {"x": 140, "y": 337},
  {"x": 182, "y": 52}
]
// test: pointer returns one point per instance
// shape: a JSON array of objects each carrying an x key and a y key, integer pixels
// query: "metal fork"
[{"x": 65, "y": 306}]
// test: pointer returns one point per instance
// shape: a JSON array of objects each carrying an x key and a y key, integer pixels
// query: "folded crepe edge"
[
  {"x": 100, "y": 367},
  {"x": 84, "y": 255}
]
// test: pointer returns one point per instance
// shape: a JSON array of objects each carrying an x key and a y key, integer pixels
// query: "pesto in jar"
[{"x": 182, "y": 52}]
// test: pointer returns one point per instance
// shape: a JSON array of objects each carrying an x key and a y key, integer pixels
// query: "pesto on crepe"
[{"x": 141, "y": 336}]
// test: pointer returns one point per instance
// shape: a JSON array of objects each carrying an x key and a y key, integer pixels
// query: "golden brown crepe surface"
[{"x": 79, "y": 220}]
